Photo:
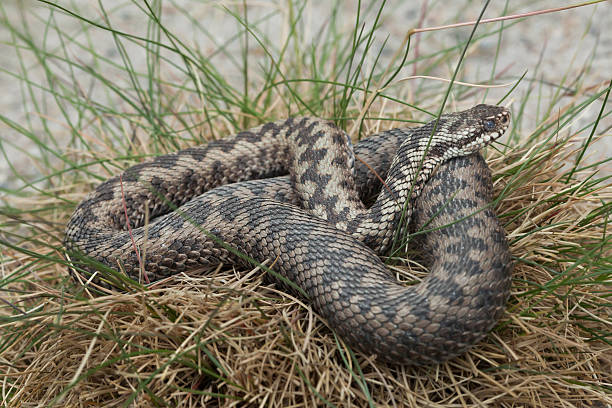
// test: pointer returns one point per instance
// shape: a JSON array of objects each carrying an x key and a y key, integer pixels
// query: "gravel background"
[{"x": 549, "y": 47}]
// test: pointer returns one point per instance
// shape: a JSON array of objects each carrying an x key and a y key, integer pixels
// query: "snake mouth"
[
  {"x": 503, "y": 121},
  {"x": 487, "y": 131},
  {"x": 495, "y": 126}
]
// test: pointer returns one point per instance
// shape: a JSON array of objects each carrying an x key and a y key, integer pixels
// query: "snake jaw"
[{"x": 485, "y": 124}]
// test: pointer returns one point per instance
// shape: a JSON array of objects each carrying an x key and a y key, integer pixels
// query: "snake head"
[{"x": 479, "y": 126}]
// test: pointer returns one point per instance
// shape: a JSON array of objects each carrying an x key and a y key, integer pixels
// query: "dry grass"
[{"x": 231, "y": 338}]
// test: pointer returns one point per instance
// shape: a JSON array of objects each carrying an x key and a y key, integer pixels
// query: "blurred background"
[{"x": 558, "y": 54}]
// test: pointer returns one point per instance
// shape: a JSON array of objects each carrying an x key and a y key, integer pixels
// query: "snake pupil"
[{"x": 489, "y": 124}]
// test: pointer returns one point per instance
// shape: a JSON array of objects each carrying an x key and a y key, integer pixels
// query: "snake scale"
[{"x": 197, "y": 207}]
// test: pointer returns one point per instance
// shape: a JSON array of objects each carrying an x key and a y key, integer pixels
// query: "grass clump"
[{"x": 230, "y": 338}]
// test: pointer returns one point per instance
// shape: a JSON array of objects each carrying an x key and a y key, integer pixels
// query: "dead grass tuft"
[{"x": 231, "y": 339}]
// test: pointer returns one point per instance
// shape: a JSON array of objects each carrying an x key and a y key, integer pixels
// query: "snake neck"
[
  {"x": 379, "y": 225},
  {"x": 323, "y": 177}
]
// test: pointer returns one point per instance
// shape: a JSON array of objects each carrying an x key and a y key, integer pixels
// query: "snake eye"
[{"x": 489, "y": 124}]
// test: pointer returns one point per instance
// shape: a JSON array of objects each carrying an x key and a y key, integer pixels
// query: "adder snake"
[{"x": 315, "y": 228}]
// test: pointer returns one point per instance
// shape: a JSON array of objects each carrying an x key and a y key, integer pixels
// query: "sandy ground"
[{"x": 549, "y": 47}]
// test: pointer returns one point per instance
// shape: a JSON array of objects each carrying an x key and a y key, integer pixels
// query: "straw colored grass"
[
  {"x": 229, "y": 337},
  {"x": 232, "y": 338}
]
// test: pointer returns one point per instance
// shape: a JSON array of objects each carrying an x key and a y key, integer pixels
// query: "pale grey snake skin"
[{"x": 323, "y": 249}]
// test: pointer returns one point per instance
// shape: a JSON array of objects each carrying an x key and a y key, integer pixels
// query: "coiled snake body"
[{"x": 330, "y": 255}]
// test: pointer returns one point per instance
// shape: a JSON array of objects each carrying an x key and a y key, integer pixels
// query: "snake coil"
[{"x": 315, "y": 227}]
